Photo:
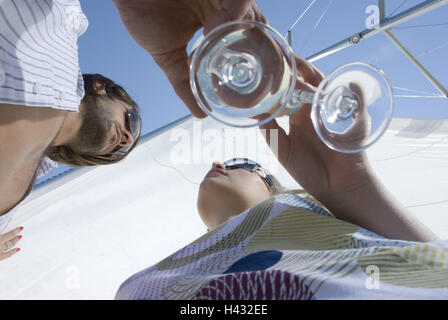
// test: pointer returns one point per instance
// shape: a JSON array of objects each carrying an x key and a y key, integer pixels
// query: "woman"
[
  {"x": 283, "y": 246},
  {"x": 266, "y": 245}
]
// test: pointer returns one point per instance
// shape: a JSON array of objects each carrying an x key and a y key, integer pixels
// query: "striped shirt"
[
  {"x": 39, "y": 53},
  {"x": 39, "y": 64}
]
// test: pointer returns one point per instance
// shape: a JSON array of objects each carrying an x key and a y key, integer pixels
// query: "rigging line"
[
  {"x": 316, "y": 25},
  {"x": 433, "y": 49},
  {"x": 410, "y": 96},
  {"x": 418, "y": 91},
  {"x": 427, "y": 204},
  {"x": 171, "y": 167},
  {"x": 440, "y": 141},
  {"x": 300, "y": 17},
  {"x": 422, "y": 25},
  {"x": 402, "y": 4}
]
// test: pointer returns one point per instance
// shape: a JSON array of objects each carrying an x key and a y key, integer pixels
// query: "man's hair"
[{"x": 67, "y": 155}]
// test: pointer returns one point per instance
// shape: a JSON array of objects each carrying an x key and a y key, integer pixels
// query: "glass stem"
[
  {"x": 239, "y": 71},
  {"x": 298, "y": 99}
]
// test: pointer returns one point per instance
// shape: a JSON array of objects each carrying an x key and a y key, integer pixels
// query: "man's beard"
[{"x": 95, "y": 127}]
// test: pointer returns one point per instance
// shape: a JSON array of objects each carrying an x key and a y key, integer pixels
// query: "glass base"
[{"x": 353, "y": 107}]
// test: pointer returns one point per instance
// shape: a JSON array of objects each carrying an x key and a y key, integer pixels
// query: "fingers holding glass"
[
  {"x": 352, "y": 107},
  {"x": 244, "y": 69}
]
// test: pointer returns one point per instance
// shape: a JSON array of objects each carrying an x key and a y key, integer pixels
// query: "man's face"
[{"x": 104, "y": 129}]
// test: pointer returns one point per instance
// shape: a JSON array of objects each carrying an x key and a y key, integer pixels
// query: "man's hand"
[
  {"x": 7, "y": 243},
  {"x": 164, "y": 28}
]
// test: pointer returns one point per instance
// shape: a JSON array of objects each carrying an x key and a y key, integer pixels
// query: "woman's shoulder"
[{"x": 302, "y": 201}]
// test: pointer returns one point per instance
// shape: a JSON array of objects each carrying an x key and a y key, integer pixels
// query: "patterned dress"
[{"x": 289, "y": 248}]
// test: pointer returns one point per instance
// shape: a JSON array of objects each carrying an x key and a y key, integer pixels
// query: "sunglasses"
[
  {"x": 133, "y": 124},
  {"x": 252, "y": 166}
]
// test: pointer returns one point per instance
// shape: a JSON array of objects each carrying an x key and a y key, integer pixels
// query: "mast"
[
  {"x": 409, "y": 14},
  {"x": 409, "y": 55},
  {"x": 385, "y": 25}
]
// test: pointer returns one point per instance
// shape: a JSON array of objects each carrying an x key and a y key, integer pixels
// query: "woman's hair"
[
  {"x": 67, "y": 155},
  {"x": 280, "y": 189}
]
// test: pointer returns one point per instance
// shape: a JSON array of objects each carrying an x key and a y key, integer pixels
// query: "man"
[
  {"x": 41, "y": 90},
  {"x": 50, "y": 63}
]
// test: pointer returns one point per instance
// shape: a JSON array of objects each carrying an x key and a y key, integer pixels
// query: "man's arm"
[{"x": 25, "y": 133}]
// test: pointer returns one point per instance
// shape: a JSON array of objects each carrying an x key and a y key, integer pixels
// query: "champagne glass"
[{"x": 244, "y": 69}]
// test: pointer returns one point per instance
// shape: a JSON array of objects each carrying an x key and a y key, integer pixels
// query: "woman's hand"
[
  {"x": 164, "y": 28},
  {"x": 343, "y": 183},
  {"x": 317, "y": 168},
  {"x": 7, "y": 243}
]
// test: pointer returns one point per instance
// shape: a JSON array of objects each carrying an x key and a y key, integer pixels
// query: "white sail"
[{"x": 90, "y": 229}]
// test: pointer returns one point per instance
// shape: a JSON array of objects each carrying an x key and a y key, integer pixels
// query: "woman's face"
[{"x": 226, "y": 193}]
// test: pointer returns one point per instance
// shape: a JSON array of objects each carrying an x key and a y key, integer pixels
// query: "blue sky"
[{"x": 107, "y": 48}]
